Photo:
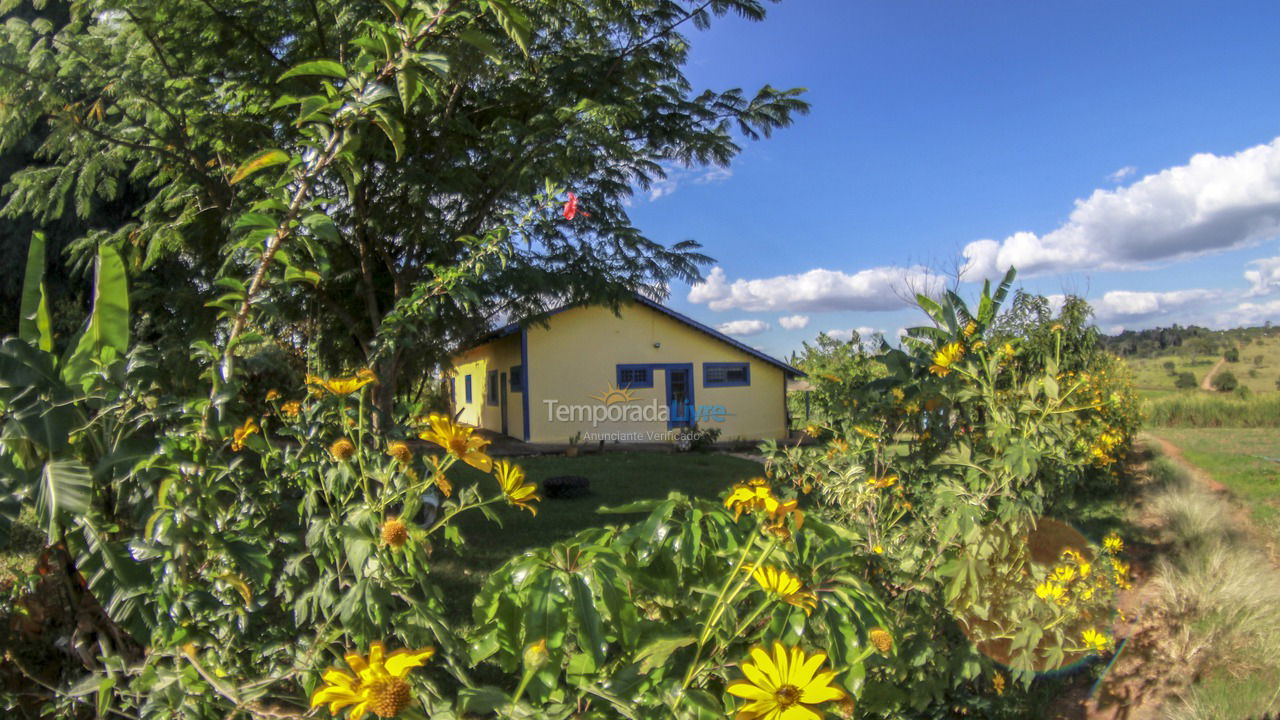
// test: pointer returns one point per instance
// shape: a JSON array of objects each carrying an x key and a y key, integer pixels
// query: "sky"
[{"x": 1128, "y": 152}]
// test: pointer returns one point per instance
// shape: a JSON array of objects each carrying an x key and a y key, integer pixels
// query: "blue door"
[{"x": 680, "y": 396}]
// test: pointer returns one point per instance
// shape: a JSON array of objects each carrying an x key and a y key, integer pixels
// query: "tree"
[
  {"x": 497, "y": 115},
  {"x": 1225, "y": 381},
  {"x": 1232, "y": 355},
  {"x": 1169, "y": 367},
  {"x": 1185, "y": 381}
]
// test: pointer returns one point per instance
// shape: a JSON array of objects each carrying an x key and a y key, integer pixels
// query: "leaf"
[
  {"x": 325, "y": 68},
  {"x": 392, "y": 129},
  {"x": 65, "y": 487},
  {"x": 240, "y": 585},
  {"x": 33, "y": 312},
  {"x": 108, "y": 324},
  {"x": 513, "y": 22},
  {"x": 658, "y": 651},
  {"x": 590, "y": 629},
  {"x": 261, "y": 161},
  {"x": 409, "y": 85}
]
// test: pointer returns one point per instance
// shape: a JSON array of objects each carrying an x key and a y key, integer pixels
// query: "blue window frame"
[
  {"x": 726, "y": 374},
  {"x": 635, "y": 376},
  {"x": 491, "y": 388},
  {"x": 466, "y": 387},
  {"x": 516, "y": 378}
]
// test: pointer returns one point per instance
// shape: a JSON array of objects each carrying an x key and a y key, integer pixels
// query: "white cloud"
[
  {"x": 1266, "y": 278},
  {"x": 865, "y": 334},
  {"x": 714, "y": 175},
  {"x": 676, "y": 175},
  {"x": 818, "y": 290},
  {"x": 1209, "y": 205},
  {"x": 794, "y": 322},
  {"x": 1248, "y": 314},
  {"x": 743, "y": 328},
  {"x": 1129, "y": 305},
  {"x": 1122, "y": 173}
]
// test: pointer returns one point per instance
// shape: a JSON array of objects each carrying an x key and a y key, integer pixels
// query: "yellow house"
[{"x": 646, "y": 374}]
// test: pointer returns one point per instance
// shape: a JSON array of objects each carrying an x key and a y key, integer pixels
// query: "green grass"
[
  {"x": 1200, "y": 409},
  {"x": 616, "y": 479},
  {"x": 1236, "y": 457},
  {"x": 1152, "y": 380}
]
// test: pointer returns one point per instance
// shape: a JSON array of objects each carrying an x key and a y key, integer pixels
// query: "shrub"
[
  {"x": 1169, "y": 367},
  {"x": 1225, "y": 381},
  {"x": 1232, "y": 355},
  {"x": 1185, "y": 381}
]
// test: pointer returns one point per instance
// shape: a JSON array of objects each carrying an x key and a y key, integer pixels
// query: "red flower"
[{"x": 571, "y": 208}]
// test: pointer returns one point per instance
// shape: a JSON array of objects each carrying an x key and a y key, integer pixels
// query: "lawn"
[
  {"x": 616, "y": 479},
  {"x": 1246, "y": 460},
  {"x": 1258, "y": 369}
]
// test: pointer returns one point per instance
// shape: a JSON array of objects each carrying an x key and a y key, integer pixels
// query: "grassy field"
[
  {"x": 616, "y": 479},
  {"x": 1198, "y": 409},
  {"x": 1258, "y": 369},
  {"x": 1246, "y": 460}
]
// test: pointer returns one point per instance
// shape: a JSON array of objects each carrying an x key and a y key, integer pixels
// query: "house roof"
[{"x": 514, "y": 327}]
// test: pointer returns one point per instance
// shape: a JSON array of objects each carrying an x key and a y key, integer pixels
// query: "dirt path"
[{"x": 1207, "y": 382}]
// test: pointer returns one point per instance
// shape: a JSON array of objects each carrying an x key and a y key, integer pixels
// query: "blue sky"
[{"x": 1060, "y": 132}]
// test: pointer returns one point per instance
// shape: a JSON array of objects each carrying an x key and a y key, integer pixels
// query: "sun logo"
[{"x": 614, "y": 395}]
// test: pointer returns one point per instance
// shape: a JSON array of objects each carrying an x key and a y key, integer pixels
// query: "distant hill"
[
  {"x": 1158, "y": 356},
  {"x": 1191, "y": 340}
]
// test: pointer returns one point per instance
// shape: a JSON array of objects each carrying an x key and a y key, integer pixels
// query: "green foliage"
[
  {"x": 836, "y": 371},
  {"x": 1232, "y": 355},
  {"x": 1185, "y": 381},
  {"x": 1225, "y": 381}
]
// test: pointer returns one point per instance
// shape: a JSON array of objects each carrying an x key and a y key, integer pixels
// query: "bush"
[
  {"x": 1225, "y": 381},
  {"x": 1232, "y": 355},
  {"x": 1169, "y": 367},
  {"x": 1185, "y": 381}
]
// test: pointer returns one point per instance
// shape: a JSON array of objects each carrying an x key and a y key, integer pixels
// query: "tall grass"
[
  {"x": 1201, "y": 409},
  {"x": 1221, "y": 598}
]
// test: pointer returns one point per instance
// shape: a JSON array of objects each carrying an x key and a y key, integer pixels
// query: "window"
[
  {"x": 635, "y": 376},
  {"x": 491, "y": 387},
  {"x": 725, "y": 374},
  {"x": 466, "y": 387},
  {"x": 517, "y": 378}
]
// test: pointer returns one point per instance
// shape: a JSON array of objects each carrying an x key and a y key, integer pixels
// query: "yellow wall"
[
  {"x": 501, "y": 355},
  {"x": 576, "y": 356}
]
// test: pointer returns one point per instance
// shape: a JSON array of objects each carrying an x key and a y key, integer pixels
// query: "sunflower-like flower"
[
  {"x": 1064, "y": 574},
  {"x": 812, "y": 430},
  {"x": 242, "y": 433},
  {"x": 1049, "y": 590},
  {"x": 344, "y": 385},
  {"x": 786, "y": 685},
  {"x": 518, "y": 492},
  {"x": 780, "y": 512},
  {"x": 1113, "y": 544},
  {"x": 460, "y": 441},
  {"x": 749, "y": 496},
  {"x": 997, "y": 682},
  {"x": 786, "y": 586},
  {"x": 881, "y": 639},
  {"x": 1094, "y": 640},
  {"x": 401, "y": 452},
  {"x": 883, "y": 483},
  {"x": 273, "y": 395},
  {"x": 342, "y": 449},
  {"x": 945, "y": 357},
  {"x": 378, "y": 685},
  {"x": 395, "y": 533},
  {"x": 291, "y": 408}
]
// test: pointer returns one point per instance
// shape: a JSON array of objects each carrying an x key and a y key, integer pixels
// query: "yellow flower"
[
  {"x": 242, "y": 433},
  {"x": 378, "y": 684},
  {"x": 1113, "y": 544},
  {"x": 881, "y": 639},
  {"x": 748, "y": 497},
  {"x": 882, "y": 483},
  {"x": 812, "y": 430},
  {"x": 970, "y": 328},
  {"x": 786, "y": 586},
  {"x": 1057, "y": 327},
  {"x": 898, "y": 394},
  {"x": 1048, "y": 590},
  {"x": 1007, "y": 349},
  {"x": 945, "y": 358},
  {"x": 395, "y": 533},
  {"x": 878, "y": 549},
  {"x": 273, "y": 395},
  {"x": 1094, "y": 640},
  {"x": 461, "y": 442},
  {"x": 535, "y": 656},
  {"x": 784, "y": 686},
  {"x": 344, "y": 385},
  {"x": 342, "y": 449},
  {"x": 998, "y": 683},
  {"x": 291, "y": 408},
  {"x": 1064, "y": 574},
  {"x": 779, "y": 512},
  {"x": 518, "y": 492},
  {"x": 865, "y": 432},
  {"x": 401, "y": 452}
]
